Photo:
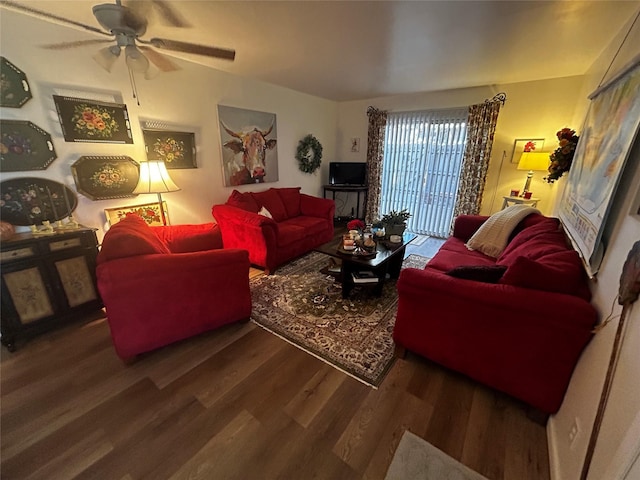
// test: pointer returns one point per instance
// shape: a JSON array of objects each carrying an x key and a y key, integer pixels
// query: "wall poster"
[
  {"x": 248, "y": 139},
  {"x": 607, "y": 136}
]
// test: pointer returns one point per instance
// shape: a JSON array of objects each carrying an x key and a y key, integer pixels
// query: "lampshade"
[
  {"x": 107, "y": 56},
  {"x": 136, "y": 59},
  {"x": 534, "y": 161},
  {"x": 154, "y": 178}
]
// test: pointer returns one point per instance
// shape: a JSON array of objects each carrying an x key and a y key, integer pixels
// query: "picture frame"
[
  {"x": 236, "y": 124},
  {"x": 177, "y": 149},
  {"x": 25, "y": 146},
  {"x": 14, "y": 86},
  {"x": 85, "y": 120},
  {"x": 520, "y": 145},
  {"x": 149, "y": 212},
  {"x": 103, "y": 178}
]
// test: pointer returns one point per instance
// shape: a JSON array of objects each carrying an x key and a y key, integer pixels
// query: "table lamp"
[
  {"x": 154, "y": 178},
  {"x": 532, "y": 161}
]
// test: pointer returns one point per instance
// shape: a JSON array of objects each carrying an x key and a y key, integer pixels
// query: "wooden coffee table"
[{"x": 387, "y": 259}]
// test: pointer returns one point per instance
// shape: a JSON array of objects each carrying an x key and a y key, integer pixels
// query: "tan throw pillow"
[{"x": 265, "y": 213}]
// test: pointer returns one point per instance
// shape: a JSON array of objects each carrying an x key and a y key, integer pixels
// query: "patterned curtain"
[
  {"x": 481, "y": 126},
  {"x": 375, "y": 154}
]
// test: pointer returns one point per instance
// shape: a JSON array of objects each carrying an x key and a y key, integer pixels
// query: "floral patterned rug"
[{"x": 306, "y": 308}]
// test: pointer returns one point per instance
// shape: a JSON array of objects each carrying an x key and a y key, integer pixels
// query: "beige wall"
[{"x": 188, "y": 97}]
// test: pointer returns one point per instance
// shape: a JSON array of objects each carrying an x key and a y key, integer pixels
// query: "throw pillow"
[
  {"x": 291, "y": 198},
  {"x": 478, "y": 273},
  {"x": 265, "y": 213},
  {"x": 272, "y": 201},
  {"x": 559, "y": 272},
  {"x": 244, "y": 201}
]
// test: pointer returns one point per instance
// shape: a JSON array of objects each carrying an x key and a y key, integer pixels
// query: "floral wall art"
[
  {"x": 84, "y": 120},
  {"x": 101, "y": 178},
  {"x": 176, "y": 149}
]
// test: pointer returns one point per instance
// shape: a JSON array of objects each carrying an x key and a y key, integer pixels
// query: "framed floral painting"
[
  {"x": 24, "y": 146},
  {"x": 176, "y": 149},
  {"x": 102, "y": 178},
  {"x": 14, "y": 87},
  {"x": 84, "y": 120},
  {"x": 149, "y": 212},
  {"x": 521, "y": 145}
]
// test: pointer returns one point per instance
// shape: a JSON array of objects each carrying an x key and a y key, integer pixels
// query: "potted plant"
[{"x": 395, "y": 222}]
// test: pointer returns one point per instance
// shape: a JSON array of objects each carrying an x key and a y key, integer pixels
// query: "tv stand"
[{"x": 358, "y": 189}]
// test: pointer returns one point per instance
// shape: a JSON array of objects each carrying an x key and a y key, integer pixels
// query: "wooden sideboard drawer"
[
  {"x": 62, "y": 244},
  {"x": 16, "y": 254}
]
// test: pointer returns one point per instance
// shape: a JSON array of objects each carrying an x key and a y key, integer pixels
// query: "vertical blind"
[{"x": 421, "y": 167}]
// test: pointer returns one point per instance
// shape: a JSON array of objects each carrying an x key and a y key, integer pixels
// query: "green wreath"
[{"x": 309, "y": 154}]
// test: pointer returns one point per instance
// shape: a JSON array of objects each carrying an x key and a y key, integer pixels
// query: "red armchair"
[
  {"x": 298, "y": 223},
  {"x": 164, "y": 284}
]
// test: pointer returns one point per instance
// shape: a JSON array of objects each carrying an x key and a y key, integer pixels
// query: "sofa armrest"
[
  {"x": 247, "y": 230},
  {"x": 317, "y": 207},
  {"x": 464, "y": 226}
]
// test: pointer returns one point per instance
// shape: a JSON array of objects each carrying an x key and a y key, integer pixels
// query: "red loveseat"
[
  {"x": 298, "y": 224},
  {"x": 517, "y": 323},
  {"x": 164, "y": 284}
]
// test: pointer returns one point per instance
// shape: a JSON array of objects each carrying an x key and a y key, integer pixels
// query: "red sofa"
[
  {"x": 298, "y": 224},
  {"x": 517, "y": 323},
  {"x": 164, "y": 284}
]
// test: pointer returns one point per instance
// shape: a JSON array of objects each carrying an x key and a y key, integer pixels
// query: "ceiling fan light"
[
  {"x": 106, "y": 57},
  {"x": 136, "y": 60}
]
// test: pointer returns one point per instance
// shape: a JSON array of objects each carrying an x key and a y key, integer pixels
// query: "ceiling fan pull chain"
[{"x": 134, "y": 88}]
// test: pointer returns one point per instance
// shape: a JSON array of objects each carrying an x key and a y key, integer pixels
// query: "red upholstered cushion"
[
  {"x": 534, "y": 242},
  {"x": 245, "y": 201},
  {"x": 291, "y": 199},
  {"x": 129, "y": 237},
  {"x": 272, "y": 201},
  {"x": 559, "y": 272},
  {"x": 190, "y": 238}
]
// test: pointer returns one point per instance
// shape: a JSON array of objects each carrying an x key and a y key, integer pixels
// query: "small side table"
[{"x": 519, "y": 201}]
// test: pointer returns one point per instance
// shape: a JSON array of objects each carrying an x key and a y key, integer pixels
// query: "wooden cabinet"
[{"x": 47, "y": 281}]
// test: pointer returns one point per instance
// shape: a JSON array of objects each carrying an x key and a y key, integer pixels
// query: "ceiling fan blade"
[
  {"x": 159, "y": 60},
  {"x": 170, "y": 15},
  {"x": 185, "y": 47},
  {"x": 76, "y": 43},
  {"x": 50, "y": 16}
]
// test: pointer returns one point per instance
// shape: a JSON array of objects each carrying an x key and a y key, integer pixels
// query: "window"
[{"x": 421, "y": 167}]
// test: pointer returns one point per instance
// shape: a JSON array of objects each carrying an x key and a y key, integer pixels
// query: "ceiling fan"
[{"x": 125, "y": 25}]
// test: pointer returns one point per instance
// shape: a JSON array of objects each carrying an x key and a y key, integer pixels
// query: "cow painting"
[{"x": 245, "y": 152}]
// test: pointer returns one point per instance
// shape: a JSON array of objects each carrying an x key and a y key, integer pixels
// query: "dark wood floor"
[{"x": 240, "y": 403}]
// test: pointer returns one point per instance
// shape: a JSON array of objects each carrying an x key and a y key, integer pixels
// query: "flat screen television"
[{"x": 348, "y": 173}]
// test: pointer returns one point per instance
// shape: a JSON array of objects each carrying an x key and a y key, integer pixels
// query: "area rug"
[
  {"x": 304, "y": 306},
  {"x": 417, "y": 459}
]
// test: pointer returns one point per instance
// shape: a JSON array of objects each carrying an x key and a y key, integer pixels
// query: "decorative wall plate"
[
  {"x": 84, "y": 120},
  {"x": 101, "y": 178},
  {"x": 30, "y": 200},
  {"x": 14, "y": 87},
  {"x": 24, "y": 146},
  {"x": 176, "y": 149}
]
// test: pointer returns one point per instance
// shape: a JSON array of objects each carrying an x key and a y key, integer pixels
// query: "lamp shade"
[
  {"x": 534, "y": 161},
  {"x": 154, "y": 178}
]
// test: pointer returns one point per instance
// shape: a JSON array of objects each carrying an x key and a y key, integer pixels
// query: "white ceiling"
[{"x": 350, "y": 50}]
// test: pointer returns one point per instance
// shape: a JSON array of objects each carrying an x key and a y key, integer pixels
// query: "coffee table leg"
[
  {"x": 347, "y": 280},
  {"x": 395, "y": 263}
]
